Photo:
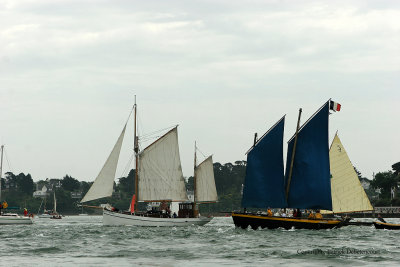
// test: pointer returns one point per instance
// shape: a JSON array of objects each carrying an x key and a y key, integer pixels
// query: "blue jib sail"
[
  {"x": 264, "y": 182},
  {"x": 310, "y": 186}
]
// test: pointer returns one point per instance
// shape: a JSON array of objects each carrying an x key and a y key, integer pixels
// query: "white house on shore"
[{"x": 44, "y": 192}]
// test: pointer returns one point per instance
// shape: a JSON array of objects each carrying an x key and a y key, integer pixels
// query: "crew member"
[
  {"x": 5, "y": 205},
  {"x": 380, "y": 218},
  {"x": 318, "y": 215},
  {"x": 269, "y": 212},
  {"x": 25, "y": 212},
  {"x": 311, "y": 216}
]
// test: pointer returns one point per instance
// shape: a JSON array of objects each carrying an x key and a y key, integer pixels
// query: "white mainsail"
[
  {"x": 103, "y": 185},
  {"x": 160, "y": 170},
  {"x": 347, "y": 193},
  {"x": 205, "y": 182}
]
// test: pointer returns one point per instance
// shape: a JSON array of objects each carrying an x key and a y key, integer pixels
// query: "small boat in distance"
[
  {"x": 388, "y": 226},
  {"x": 306, "y": 184},
  {"x": 158, "y": 178},
  {"x": 55, "y": 214},
  {"x": 10, "y": 218}
]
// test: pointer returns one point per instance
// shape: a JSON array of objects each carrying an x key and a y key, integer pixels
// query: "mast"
[
  {"x": 136, "y": 149},
  {"x": 1, "y": 168},
  {"x": 293, "y": 153},
  {"x": 194, "y": 181},
  {"x": 55, "y": 203}
]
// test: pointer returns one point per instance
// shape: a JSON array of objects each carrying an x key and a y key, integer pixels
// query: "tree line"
[{"x": 18, "y": 190}]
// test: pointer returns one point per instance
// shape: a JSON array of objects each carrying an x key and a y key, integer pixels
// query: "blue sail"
[
  {"x": 310, "y": 186},
  {"x": 264, "y": 182}
]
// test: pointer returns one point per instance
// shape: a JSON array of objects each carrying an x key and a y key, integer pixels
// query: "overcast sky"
[{"x": 222, "y": 70}]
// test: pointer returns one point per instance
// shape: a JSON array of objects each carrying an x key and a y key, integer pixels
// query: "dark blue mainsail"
[
  {"x": 264, "y": 182},
  {"x": 310, "y": 186}
]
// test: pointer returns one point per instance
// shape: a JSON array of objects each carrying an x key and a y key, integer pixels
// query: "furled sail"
[
  {"x": 310, "y": 186},
  {"x": 347, "y": 193},
  {"x": 160, "y": 170},
  {"x": 205, "y": 182},
  {"x": 103, "y": 185},
  {"x": 264, "y": 182}
]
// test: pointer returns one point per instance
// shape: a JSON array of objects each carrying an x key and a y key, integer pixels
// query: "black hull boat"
[
  {"x": 305, "y": 185},
  {"x": 256, "y": 221},
  {"x": 389, "y": 226}
]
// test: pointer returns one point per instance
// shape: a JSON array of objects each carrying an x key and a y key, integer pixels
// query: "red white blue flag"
[{"x": 334, "y": 106}]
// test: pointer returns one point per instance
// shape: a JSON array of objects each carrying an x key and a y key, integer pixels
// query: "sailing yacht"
[
  {"x": 55, "y": 214},
  {"x": 306, "y": 183},
  {"x": 158, "y": 178},
  {"x": 10, "y": 218}
]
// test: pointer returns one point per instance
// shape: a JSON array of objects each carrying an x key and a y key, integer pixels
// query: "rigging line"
[
  {"x": 127, "y": 165},
  {"x": 200, "y": 152},
  {"x": 130, "y": 113},
  {"x": 8, "y": 162},
  {"x": 157, "y": 131}
]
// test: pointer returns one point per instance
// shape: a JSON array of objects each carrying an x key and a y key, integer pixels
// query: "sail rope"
[
  {"x": 200, "y": 152},
  {"x": 8, "y": 162},
  {"x": 127, "y": 167}
]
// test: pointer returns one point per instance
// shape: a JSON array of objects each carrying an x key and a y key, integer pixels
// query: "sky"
[{"x": 221, "y": 70}]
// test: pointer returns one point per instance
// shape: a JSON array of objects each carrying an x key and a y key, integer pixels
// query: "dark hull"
[
  {"x": 255, "y": 221},
  {"x": 389, "y": 226}
]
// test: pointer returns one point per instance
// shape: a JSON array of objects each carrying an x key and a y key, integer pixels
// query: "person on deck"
[
  {"x": 311, "y": 216},
  {"x": 25, "y": 212},
  {"x": 380, "y": 218},
  {"x": 5, "y": 205},
  {"x": 297, "y": 213},
  {"x": 269, "y": 212},
  {"x": 284, "y": 214},
  {"x": 1, "y": 206},
  {"x": 318, "y": 215}
]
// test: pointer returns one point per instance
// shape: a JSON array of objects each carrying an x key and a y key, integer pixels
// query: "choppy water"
[{"x": 85, "y": 241}]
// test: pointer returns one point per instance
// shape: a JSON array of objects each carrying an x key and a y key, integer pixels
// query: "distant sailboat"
[
  {"x": 347, "y": 193},
  {"x": 306, "y": 184},
  {"x": 10, "y": 218},
  {"x": 55, "y": 213},
  {"x": 158, "y": 178}
]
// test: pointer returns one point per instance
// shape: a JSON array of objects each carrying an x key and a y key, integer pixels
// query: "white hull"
[
  {"x": 15, "y": 219},
  {"x": 45, "y": 216},
  {"x": 114, "y": 218}
]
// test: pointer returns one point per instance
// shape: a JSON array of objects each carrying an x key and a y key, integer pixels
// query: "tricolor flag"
[{"x": 334, "y": 106}]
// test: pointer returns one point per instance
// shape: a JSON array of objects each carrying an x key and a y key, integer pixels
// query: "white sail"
[
  {"x": 103, "y": 185},
  {"x": 160, "y": 170},
  {"x": 205, "y": 182},
  {"x": 347, "y": 193}
]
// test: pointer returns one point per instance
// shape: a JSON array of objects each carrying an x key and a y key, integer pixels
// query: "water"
[{"x": 83, "y": 240}]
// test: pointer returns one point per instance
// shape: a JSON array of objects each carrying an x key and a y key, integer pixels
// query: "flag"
[
  {"x": 132, "y": 207},
  {"x": 334, "y": 106}
]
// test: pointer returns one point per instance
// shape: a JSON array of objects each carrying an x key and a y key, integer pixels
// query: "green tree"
[
  {"x": 385, "y": 181},
  {"x": 396, "y": 168},
  {"x": 127, "y": 184},
  {"x": 69, "y": 183},
  {"x": 25, "y": 184}
]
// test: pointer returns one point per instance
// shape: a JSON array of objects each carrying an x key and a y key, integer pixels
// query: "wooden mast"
[
  {"x": 136, "y": 149},
  {"x": 293, "y": 153},
  {"x": 195, "y": 211}
]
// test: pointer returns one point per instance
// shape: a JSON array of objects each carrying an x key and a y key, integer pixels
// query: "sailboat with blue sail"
[{"x": 305, "y": 184}]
